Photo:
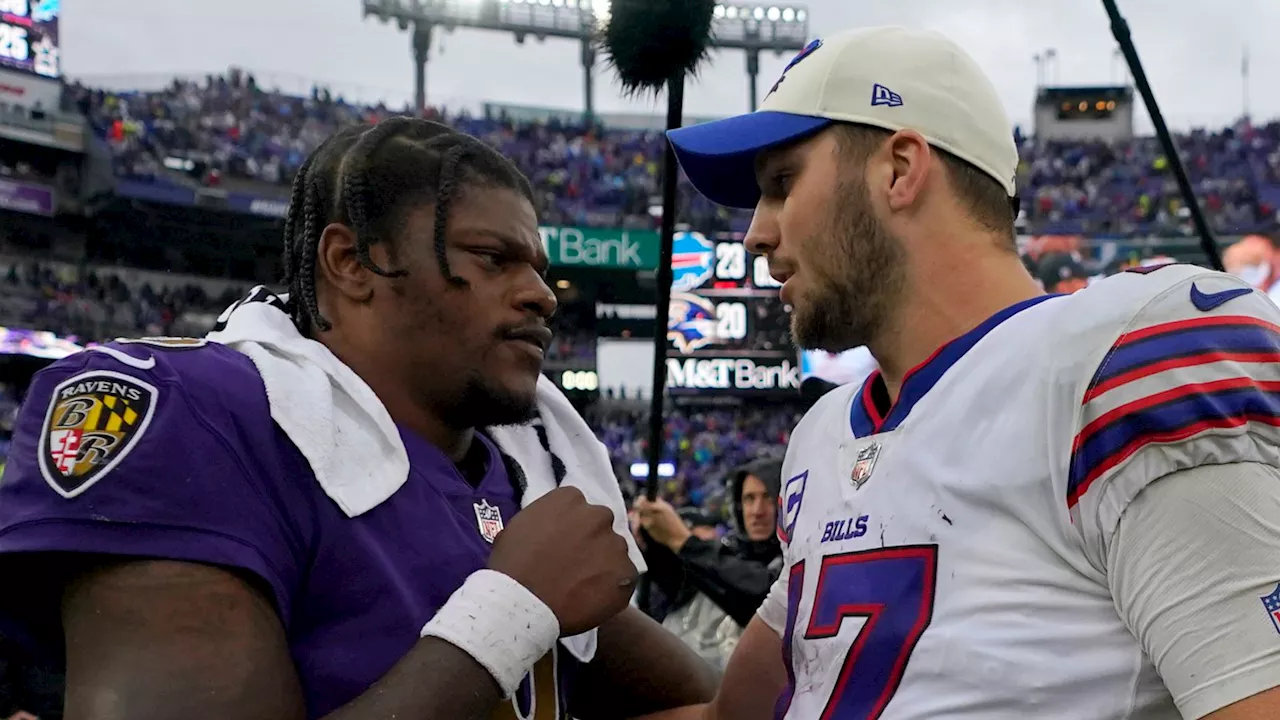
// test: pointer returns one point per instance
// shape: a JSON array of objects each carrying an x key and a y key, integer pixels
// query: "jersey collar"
[{"x": 871, "y": 412}]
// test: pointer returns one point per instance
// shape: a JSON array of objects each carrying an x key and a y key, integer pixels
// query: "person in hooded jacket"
[{"x": 706, "y": 590}]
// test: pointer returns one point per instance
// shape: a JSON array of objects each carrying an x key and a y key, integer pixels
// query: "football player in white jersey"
[{"x": 1060, "y": 507}]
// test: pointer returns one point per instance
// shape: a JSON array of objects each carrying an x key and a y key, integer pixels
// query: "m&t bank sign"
[{"x": 601, "y": 247}]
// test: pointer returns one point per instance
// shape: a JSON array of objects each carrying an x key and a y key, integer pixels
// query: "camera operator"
[{"x": 709, "y": 589}]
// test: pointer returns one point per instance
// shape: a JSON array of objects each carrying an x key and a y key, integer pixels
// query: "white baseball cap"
[{"x": 888, "y": 77}]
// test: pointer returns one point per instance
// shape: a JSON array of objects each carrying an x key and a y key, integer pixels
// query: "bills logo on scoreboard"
[
  {"x": 488, "y": 519},
  {"x": 693, "y": 259}
]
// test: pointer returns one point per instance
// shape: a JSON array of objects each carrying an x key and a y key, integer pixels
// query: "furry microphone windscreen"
[{"x": 648, "y": 42}]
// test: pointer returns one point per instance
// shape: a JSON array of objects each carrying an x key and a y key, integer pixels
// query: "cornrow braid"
[
  {"x": 313, "y": 194},
  {"x": 291, "y": 220},
  {"x": 368, "y": 177},
  {"x": 448, "y": 180},
  {"x": 355, "y": 187}
]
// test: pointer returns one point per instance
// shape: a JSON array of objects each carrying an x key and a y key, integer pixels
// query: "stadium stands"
[
  {"x": 233, "y": 130},
  {"x": 703, "y": 444},
  {"x": 1124, "y": 189}
]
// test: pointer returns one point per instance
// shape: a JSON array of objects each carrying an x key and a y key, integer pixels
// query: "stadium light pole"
[
  {"x": 741, "y": 27},
  {"x": 751, "y": 27}
]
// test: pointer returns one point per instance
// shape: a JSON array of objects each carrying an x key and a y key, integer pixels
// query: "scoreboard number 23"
[
  {"x": 731, "y": 261},
  {"x": 731, "y": 264}
]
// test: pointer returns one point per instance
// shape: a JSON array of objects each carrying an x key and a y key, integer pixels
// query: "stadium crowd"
[{"x": 589, "y": 175}]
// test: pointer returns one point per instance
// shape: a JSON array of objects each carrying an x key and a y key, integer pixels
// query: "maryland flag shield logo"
[{"x": 94, "y": 420}]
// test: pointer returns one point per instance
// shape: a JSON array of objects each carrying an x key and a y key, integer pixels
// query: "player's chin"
[
  {"x": 520, "y": 392},
  {"x": 507, "y": 402},
  {"x": 813, "y": 329}
]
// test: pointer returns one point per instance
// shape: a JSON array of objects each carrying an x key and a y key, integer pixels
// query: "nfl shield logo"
[
  {"x": 864, "y": 464},
  {"x": 1272, "y": 604},
  {"x": 489, "y": 519}
]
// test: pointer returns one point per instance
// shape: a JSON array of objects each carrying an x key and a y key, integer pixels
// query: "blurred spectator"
[
  {"x": 1062, "y": 273},
  {"x": 709, "y": 590},
  {"x": 1254, "y": 259}
]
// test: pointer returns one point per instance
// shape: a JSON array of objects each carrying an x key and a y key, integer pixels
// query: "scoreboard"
[
  {"x": 727, "y": 330},
  {"x": 29, "y": 36}
]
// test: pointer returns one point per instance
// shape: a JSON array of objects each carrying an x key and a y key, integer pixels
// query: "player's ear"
[
  {"x": 911, "y": 161},
  {"x": 338, "y": 263}
]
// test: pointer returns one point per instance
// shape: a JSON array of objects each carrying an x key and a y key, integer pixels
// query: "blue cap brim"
[{"x": 719, "y": 157}]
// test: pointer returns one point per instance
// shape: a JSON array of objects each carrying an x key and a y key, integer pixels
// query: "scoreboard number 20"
[
  {"x": 13, "y": 43},
  {"x": 731, "y": 320}
]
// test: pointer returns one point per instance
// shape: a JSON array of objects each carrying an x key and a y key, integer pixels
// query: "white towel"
[{"x": 355, "y": 450}]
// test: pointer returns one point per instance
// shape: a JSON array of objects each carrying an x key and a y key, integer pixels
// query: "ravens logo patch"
[{"x": 94, "y": 420}]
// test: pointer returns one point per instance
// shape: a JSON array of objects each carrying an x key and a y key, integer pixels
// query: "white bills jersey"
[{"x": 947, "y": 553}]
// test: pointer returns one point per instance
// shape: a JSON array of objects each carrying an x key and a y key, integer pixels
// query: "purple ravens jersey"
[{"x": 166, "y": 449}]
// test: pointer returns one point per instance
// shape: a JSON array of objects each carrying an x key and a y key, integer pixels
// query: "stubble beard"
[
  {"x": 856, "y": 284},
  {"x": 487, "y": 404}
]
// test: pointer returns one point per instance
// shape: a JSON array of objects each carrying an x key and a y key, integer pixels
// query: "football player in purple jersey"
[{"x": 178, "y": 544}]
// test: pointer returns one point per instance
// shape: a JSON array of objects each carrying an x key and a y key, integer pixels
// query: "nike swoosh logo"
[
  {"x": 125, "y": 358},
  {"x": 1205, "y": 302}
]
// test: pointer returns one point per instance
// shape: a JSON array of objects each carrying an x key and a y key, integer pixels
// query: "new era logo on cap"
[{"x": 881, "y": 95}]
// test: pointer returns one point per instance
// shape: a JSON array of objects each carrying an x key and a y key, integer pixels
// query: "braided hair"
[{"x": 367, "y": 177}]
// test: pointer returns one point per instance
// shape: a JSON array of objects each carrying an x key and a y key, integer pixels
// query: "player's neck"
[
  {"x": 408, "y": 412},
  {"x": 942, "y": 303},
  {"x": 405, "y": 408}
]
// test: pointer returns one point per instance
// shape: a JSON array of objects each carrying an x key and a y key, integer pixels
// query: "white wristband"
[{"x": 497, "y": 621}]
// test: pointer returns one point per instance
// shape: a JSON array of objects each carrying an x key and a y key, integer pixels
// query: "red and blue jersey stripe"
[{"x": 1170, "y": 383}]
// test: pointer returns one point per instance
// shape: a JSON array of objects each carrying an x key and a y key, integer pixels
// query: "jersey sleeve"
[
  {"x": 116, "y": 452},
  {"x": 1192, "y": 378},
  {"x": 1192, "y": 570}
]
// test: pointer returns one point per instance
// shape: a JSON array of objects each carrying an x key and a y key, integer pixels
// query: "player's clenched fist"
[{"x": 565, "y": 551}]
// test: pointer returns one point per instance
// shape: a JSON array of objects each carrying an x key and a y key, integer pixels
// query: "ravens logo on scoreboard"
[
  {"x": 94, "y": 420},
  {"x": 691, "y": 322}
]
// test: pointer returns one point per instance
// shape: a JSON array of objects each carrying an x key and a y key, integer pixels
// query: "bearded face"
[{"x": 856, "y": 271}]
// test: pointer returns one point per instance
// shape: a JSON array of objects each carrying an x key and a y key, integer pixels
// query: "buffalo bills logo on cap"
[{"x": 808, "y": 50}]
